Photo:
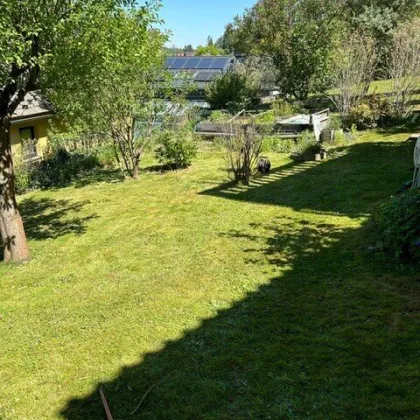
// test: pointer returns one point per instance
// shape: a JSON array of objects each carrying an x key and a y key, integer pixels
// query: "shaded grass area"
[
  {"x": 342, "y": 185},
  {"x": 47, "y": 218},
  {"x": 225, "y": 302}
]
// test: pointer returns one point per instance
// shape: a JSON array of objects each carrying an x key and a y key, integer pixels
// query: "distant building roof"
[
  {"x": 201, "y": 69},
  {"x": 34, "y": 105},
  {"x": 218, "y": 63}
]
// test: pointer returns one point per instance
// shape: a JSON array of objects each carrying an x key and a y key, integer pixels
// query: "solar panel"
[
  {"x": 202, "y": 76},
  {"x": 192, "y": 63},
  {"x": 220, "y": 63},
  {"x": 214, "y": 75},
  {"x": 178, "y": 63},
  {"x": 205, "y": 63},
  {"x": 168, "y": 63}
]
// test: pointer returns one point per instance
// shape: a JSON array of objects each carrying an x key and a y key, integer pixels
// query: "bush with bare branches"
[
  {"x": 354, "y": 66},
  {"x": 404, "y": 67},
  {"x": 243, "y": 149}
]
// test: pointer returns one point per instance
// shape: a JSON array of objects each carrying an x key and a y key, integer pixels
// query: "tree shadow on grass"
[
  {"x": 49, "y": 219},
  {"x": 84, "y": 179},
  {"x": 109, "y": 176},
  {"x": 333, "y": 337},
  {"x": 410, "y": 125},
  {"x": 162, "y": 168},
  {"x": 349, "y": 183}
]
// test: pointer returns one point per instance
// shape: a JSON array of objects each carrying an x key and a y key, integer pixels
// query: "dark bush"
[
  {"x": 374, "y": 111},
  {"x": 398, "y": 223},
  {"x": 61, "y": 169},
  {"x": 233, "y": 91}
]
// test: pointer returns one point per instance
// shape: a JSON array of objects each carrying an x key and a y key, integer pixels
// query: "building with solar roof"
[{"x": 202, "y": 70}]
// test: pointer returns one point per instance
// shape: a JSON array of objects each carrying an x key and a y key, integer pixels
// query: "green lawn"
[
  {"x": 223, "y": 302},
  {"x": 385, "y": 87},
  {"x": 382, "y": 86}
]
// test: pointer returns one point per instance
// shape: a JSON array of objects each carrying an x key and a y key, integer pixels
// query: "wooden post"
[{"x": 105, "y": 404}]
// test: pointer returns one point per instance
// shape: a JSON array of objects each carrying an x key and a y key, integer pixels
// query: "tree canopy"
[
  {"x": 302, "y": 36},
  {"x": 122, "y": 88},
  {"x": 63, "y": 46},
  {"x": 298, "y": 36}
]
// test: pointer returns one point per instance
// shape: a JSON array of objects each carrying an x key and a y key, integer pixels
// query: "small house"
[{"x": 29, "y": 127}]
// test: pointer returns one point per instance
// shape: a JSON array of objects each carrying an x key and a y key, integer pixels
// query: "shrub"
[
  {"x": 381, "y": 108},
  {"x": 374, "y": 111},
  {"x": 22, "y": 177},
  {"x": 398, "y": 223},
  {"x": 233, "y": 91},
  {"x": 176, "y": 148},
  {"x": 219, "y": 143},
  {"x": 340, "y": 138},
  {"x": 58, "y": 170},
  {"x": 335, "y": 123},
  {"x": 283, "y": 108},
  {"x": 318, "y": 103},
  {"x": 266, "y": 118},
  {"x": 361, "y": 116},
  {"x": 277, "y": 145},
  {"x": 307, "y": 143},
  {"x": 243, "y": 150},
  {"x": 58, "y": 140},
  {"x": 106, "y": 155},
  {"x": 410, "y": 123},
  {"x": 219, "y": 116},
  {"x": 62, "y": 168}
]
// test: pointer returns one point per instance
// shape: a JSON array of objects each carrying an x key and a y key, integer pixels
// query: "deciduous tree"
[
  {"x": 404, "y": 66},
  {"x": 122, "y": 100},
  {"x": 37, "y": 37},
  {"x": 354, "y": 65},
  {"x": 378, "y": 19},
  {"x": 297, "y": 35}
]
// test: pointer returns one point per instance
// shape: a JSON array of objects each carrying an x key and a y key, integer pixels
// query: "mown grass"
[
  {"x": 217, "y": 301},
  {"x": 383, "y": 87}
]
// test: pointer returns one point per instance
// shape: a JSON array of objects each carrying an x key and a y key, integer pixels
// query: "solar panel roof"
[
  {"x": 199, "y": 63},
  {"x": 203, "y": 76},
  {"x": 205, "y": 63},
  {"x": 192, "y": 63},
  {"x": 219, "y": 63},
  {"x": 178, "y": 63}
]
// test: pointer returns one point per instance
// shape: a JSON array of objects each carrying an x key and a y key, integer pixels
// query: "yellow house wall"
[{"x": 41, "y": 127}]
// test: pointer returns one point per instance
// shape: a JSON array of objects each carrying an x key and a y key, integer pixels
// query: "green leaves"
[
  {"x": 398, "y": 223},
  {"x": 298, "y": 36},
  {"x": 233, "y": 91}
]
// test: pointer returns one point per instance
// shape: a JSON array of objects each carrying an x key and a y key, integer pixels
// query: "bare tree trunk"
[
  {"x": 11, "y": 226},
  {"x": 247, "y": 155},
  {"x": 136, "y": 171},
  {"x": 136, "y": 163}
]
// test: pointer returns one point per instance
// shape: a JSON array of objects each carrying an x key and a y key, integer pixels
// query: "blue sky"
[{"x": 192, "y": 21}]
